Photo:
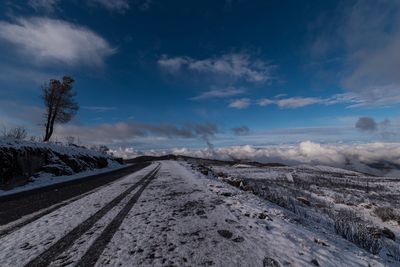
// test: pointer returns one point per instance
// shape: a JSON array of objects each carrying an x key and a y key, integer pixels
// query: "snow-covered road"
[{"x": 169, "y": 215}]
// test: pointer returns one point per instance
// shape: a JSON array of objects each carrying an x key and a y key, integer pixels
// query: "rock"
[
  {"x": 270, "y": 262},
  {"x": 320, "y": 242},
  {"x": 200, "y": 212},
  {"x": 248, "y": 188},
  {"x": 304, "y": 200},
  {"x": 225, "y": 233},
  {"x": 315, "y": 262},
  {"x": 238, "y": 239},
  {"x": 226, "y": 194},
  {"x": 388, "y": 233},
  {"x": 235, "y": 183},
  {"x": 262, "y": 216}
]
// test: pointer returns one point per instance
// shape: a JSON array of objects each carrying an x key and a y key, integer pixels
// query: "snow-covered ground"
[
  {"x": 321, "y": 196},
  {"x": 181, "y": 218},
  {"x": 25, "y": 165},
  {"x": 24, "y": 244}
]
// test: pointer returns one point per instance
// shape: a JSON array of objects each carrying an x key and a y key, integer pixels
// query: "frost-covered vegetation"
[{"x": 360, "y": 208}]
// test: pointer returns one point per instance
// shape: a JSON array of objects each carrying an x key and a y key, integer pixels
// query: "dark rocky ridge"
[{"x": 20, "y": 160}]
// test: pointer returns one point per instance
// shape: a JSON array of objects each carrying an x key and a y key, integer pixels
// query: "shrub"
[
  {"x": 350, "y": 226},
  {"x": 18, "y": 133},
  {"x": 70, "y": 140}
]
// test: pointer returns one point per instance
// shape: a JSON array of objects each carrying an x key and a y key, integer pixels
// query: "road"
[
  {"x": 166, "y": 214},
  {"x": 40, "y": 241},
  {"x": 18, "y": 205}
]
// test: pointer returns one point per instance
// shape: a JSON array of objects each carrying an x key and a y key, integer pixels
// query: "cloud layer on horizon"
[{"x": 359, "y": 157}]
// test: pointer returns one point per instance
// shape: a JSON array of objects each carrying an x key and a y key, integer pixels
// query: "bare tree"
[{"x": 60, "y": 104}]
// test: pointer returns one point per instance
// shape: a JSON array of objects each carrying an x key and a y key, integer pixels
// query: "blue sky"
[{"x": 157, "y": 74}]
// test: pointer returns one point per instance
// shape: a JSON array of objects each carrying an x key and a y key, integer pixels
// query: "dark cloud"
[
  {"x": 122, "y": 132},
  {"x": 366, "y": 124},
  {"x": 242, "y": 130}
]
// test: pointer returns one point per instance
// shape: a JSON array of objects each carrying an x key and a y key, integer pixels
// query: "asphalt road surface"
[{"x": 16, "y": 206}]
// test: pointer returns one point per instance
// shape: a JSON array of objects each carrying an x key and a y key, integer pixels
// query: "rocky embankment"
[{"x": 22, "y": 160}]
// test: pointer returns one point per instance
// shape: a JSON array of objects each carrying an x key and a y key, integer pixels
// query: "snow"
[
  {"x": 22, "y": 245},
  {"x": 55, "y": 147},
  {"x": 328, "y": 190},
  {"x": 184, "y": 218},
  {"x": 42, "y": 179},
  {"x": 48, "y": 179},
  {"x": 181, "y": 212},
  {"x": 241, "y": 165}
]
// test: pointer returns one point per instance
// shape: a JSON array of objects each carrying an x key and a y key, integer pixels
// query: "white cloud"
[
  {"x": 172, "y": 64},
  {"x": 219, "y": 93},
  {"x": 112, "y": 5},
  {"x": 349, "y": 156},
  {"x": 48, "y": 40},
  {"x": 265, "y": 102},
  {"x": 240, "y": 103},
  {"x": 44, "y": 5},
  {"x": 297, "y": 102},
  {"x": 235, "y": 65},
  {"x": 367, "y": 34}
]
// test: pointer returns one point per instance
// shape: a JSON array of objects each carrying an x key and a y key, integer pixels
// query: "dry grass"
[{"x": 387, "y": 214}]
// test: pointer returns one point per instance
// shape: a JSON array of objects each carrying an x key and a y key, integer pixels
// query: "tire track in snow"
[
  {"x": 67, "y": 241},
  {"x": 9, "y": 228},
  {"x": 96, "y": 249}
]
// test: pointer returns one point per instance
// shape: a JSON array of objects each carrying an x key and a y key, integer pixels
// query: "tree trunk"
[
  {"x": 51, "y": 123},
  {"x": 47, "y": 136}
]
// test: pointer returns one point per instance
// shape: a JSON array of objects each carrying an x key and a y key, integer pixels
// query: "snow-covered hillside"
[
  {"x": 23, "y": 162},
  {"x": 359, "y": 208}
]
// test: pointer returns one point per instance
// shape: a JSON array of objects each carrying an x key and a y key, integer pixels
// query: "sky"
[{"x": 159, "y": 75}]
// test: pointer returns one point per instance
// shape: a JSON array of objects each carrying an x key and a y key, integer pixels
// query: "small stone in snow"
[
  {"x": 388, "y": 233},
  {"x": 320, "y": 242},
  {"x": 270, "y": 262},
  {"x": 225, "y": 233},
  {"x": 238, "y": 239},
  {"x": 315, "y": 262}
]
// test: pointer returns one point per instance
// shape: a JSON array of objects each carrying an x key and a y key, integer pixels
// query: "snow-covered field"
[
  {"x": 357, "y": 207},
  {"x": 183, "y": 218}
]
